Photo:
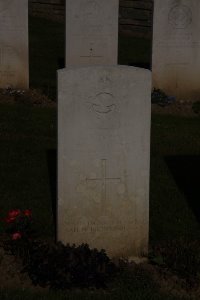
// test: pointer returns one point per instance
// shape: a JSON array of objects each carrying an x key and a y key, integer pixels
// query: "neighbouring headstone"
[
  {"x": 176, "y": 48},
  {"x": 103, "y": 158},
  {"x": 14, "y": 44},
  {"x": 91, "y": 32}
]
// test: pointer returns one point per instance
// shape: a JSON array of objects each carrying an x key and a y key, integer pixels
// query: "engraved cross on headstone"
[
  {"x": 91, "y": 32},
  {"x": 91, "y": 54},
  {"x": 104, "y": 181}
]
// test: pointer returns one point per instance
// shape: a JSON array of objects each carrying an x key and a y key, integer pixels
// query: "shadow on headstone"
[
  {"x": 61, "y": 62},
  {"x": 140, "y": 65},
  {"x": 185, "y": 170},
  {"x": 51, "y": 155}
]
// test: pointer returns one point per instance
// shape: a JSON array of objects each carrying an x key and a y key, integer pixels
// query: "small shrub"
[
  {"x": 196, "y": 107},
  {"x": 160, "y": 98},
  {"x": 54, "y": 264},
  {"x": 19, "y": 224},
  {"x": 18, "y": 231},
  {"x": 63, "y": 267}
]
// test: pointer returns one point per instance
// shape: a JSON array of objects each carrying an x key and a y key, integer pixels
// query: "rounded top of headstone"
[
  {"x": 180, "y": 16},
  {"x": 107, "y": 68},
  {"x": 4, "y": 5}
]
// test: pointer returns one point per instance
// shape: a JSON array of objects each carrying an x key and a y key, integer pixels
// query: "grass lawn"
[
  {"x": 28, "y": 166},
  {"x": 27, "y": 138},
  {"x": 175, "y": 157},
  {"x": 27, "y": 163}
]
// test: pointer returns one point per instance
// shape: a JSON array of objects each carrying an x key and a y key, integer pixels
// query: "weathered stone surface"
[
  {"x": 176, "y": 48},
  {"x": 91, "y": 32},
  {"x": 14, "y": 44},
  {"x": 103, "y": 158}
]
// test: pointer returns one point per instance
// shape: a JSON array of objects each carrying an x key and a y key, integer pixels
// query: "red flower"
[
  {"x": 16, "y": 236},
  {"x": 9, "y": 220},
  {"x": 27, "y": 213},
  {"x": 12, "y": 214}
]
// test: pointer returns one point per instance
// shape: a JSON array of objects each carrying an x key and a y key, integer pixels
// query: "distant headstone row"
[
  {"x": 92, "y": 38},
  {"x": 14, "y": 70},
  {"x": 176, "y": 48}
]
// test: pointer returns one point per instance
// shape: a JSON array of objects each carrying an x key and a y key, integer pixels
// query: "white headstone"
[
  {"x": 14, "y": 44},
  {"x": 103, "y": 158},
  {"x": 91, "y": 32},
  {"x": 176, "y": 48}
]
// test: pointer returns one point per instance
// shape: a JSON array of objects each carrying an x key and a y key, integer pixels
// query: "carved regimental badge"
[
  {"x": 180, "y": 16},
  {"x": 102, "y": 104},
  {"x": 104, "y": 110}
]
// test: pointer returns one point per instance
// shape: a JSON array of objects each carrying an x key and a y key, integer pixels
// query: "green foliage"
[
  {"x": 19, "y": 224},
  {"x": 54, "y": 264},
  {"x": 62, "y": 267},
  {"x": 18, "y": 248},
  {"x": 19, "y": 229},
  {"x": 27, "y": 136},
  {"x": 157, "y": 260},
  {"x": 196, "y": 107},
  {"x": 159, "y": 97}
]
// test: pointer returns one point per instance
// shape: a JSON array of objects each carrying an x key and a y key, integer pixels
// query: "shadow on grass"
[
  {"x": 186, "y": 172},
  {"x": 52, "y": 169}
]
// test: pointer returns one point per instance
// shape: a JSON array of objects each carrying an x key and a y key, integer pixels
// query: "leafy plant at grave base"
[
  {"x": 63, "y": 267},
  {"x": 160, "y": 98},
  {"x": 54, "y": 264},
  {"x": 180, "y": 257},
  {"x": 196, "y": 107},
  {"x": 18, "y": 231}
]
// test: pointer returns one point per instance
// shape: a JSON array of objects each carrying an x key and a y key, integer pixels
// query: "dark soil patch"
[
  {"x": 11, "y": 275},
  {"x": 182, "y": 108},
  {"x": 171, "y": 284}
]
